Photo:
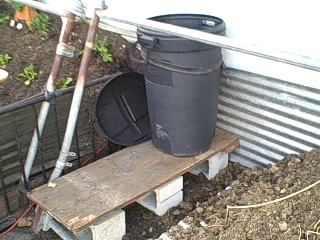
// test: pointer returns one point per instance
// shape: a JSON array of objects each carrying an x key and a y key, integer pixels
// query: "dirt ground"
[
  {"x": 291, "y": 218},
  {"x": 27, "y": 48}
]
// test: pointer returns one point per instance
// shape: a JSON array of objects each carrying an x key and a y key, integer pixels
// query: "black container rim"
[{"x": 219, "y": 27}]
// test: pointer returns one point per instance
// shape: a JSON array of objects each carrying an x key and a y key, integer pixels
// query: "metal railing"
[{"x": 17, "y": 122}]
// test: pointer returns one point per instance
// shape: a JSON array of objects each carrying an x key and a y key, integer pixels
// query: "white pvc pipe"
[
  {"x": 219, "y": 41},
  {"x": 43, "y": 7},
  {"x": 211, "y": 39}
]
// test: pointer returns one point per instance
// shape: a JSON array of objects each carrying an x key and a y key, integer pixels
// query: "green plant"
[
  {"x": 16, "y": 6},
  {"x": 29, "y": 74},
  {"x": 100, "y": 47},
  {"x": 4, "y": 60},
  {"x": 64, "y": 82},
  {"x": 4, "y": 17},
  {"x": 80, "y": 52},
  {"x": 40, "y": 24}
]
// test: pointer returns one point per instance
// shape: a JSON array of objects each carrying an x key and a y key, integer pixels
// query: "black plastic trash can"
[{"x": 182, "y": 84}]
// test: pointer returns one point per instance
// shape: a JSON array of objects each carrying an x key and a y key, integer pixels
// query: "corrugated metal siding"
[{"x": 272, "y": 117}]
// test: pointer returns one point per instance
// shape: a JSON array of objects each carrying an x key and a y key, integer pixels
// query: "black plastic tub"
[
  {"x": 121, "y": 109},
  {"x": 182, "y": 84}
]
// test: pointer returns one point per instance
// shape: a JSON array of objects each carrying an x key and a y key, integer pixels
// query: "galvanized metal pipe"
[
  {"x": 43, "y": 7},
  {"x": 76, "y": 9},
  {"x": 45, "y": 107},
  {"x": 60, "y": 230},
  {"x": 76, "y": 100},
  {"x": 219, "y": 41},
  {"x": 211, "y": 39}
]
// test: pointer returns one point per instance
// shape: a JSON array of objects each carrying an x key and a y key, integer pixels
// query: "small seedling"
[
  {"x": 64, "y": 82},
  {"x": 16, "y": 6},
  {"x": 40, "y": 24},
  {"x": 29, "y": 74},
  {"x": 80, "y": 52},
  {"x": 100, "y": 47},
  {"x": 4, "y": 60},
  {"x": 4, "y": 18}
]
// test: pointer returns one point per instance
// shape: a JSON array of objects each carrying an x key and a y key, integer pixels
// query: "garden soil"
[
  {"x": 293, "y": 218},
  {"x": 27, "y": 47}
]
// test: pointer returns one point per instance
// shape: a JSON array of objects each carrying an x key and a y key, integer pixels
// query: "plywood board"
[{"x": 87, "y": 194}]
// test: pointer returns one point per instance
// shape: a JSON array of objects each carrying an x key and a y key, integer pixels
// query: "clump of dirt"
[{"x": 291, "y": 218}]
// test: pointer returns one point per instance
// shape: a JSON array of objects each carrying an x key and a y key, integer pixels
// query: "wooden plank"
[{"x": 87, "y": 194}]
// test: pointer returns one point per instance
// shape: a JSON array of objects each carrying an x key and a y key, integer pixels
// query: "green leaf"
[
  {"x": 29, "y": 74},
  {"x": 16, "y": 6},
  {"x": 4, "y": 60},
  {"x": 64, "y": 82},
  {"x": 68, "y": 80},
  {"x": 4, "y": 18},
  {"x": 100, "y": 47},
  {"x": 40, "y": 24}
]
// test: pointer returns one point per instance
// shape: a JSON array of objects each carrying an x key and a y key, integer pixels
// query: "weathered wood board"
[
  {"x": 87, "y": 194},
  {"x": 10, "y": 156}
]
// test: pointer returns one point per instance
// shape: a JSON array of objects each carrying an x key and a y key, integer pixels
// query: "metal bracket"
[
  {"x": 65, "y": 50},
  {"x": 48, "y": 222},
  {"x": 62, "y": 164},
  {"x": 51, "y": 96},
  {"x": 68, "y": 154},
  {"x": 68, "y": 164},
  {"x": 46, "y": 218}
]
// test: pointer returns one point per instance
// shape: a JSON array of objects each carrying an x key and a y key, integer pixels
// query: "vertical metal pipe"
[
  {"x": 76, "y": 100},
  {"x": 56, "y": 122},
  {"x": 46, "y": 105},
  {"x": 77, "y": 146},
  {"x": 39, "y": 143}
]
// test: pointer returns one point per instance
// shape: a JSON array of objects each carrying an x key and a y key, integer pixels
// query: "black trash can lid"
[{"x": 121, "y": 110}]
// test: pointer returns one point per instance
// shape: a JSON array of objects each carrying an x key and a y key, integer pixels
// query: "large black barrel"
[{"x": 182, "y": 84}]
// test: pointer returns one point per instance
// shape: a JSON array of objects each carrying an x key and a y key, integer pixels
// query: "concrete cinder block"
[
  {"x": 160, "y": 208},
  {"x": 212, "y": 166},
  {"x": 112, "y": 227},
  {"x": 169, "y": 189},
  {"x": 165, "y": 197}
]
